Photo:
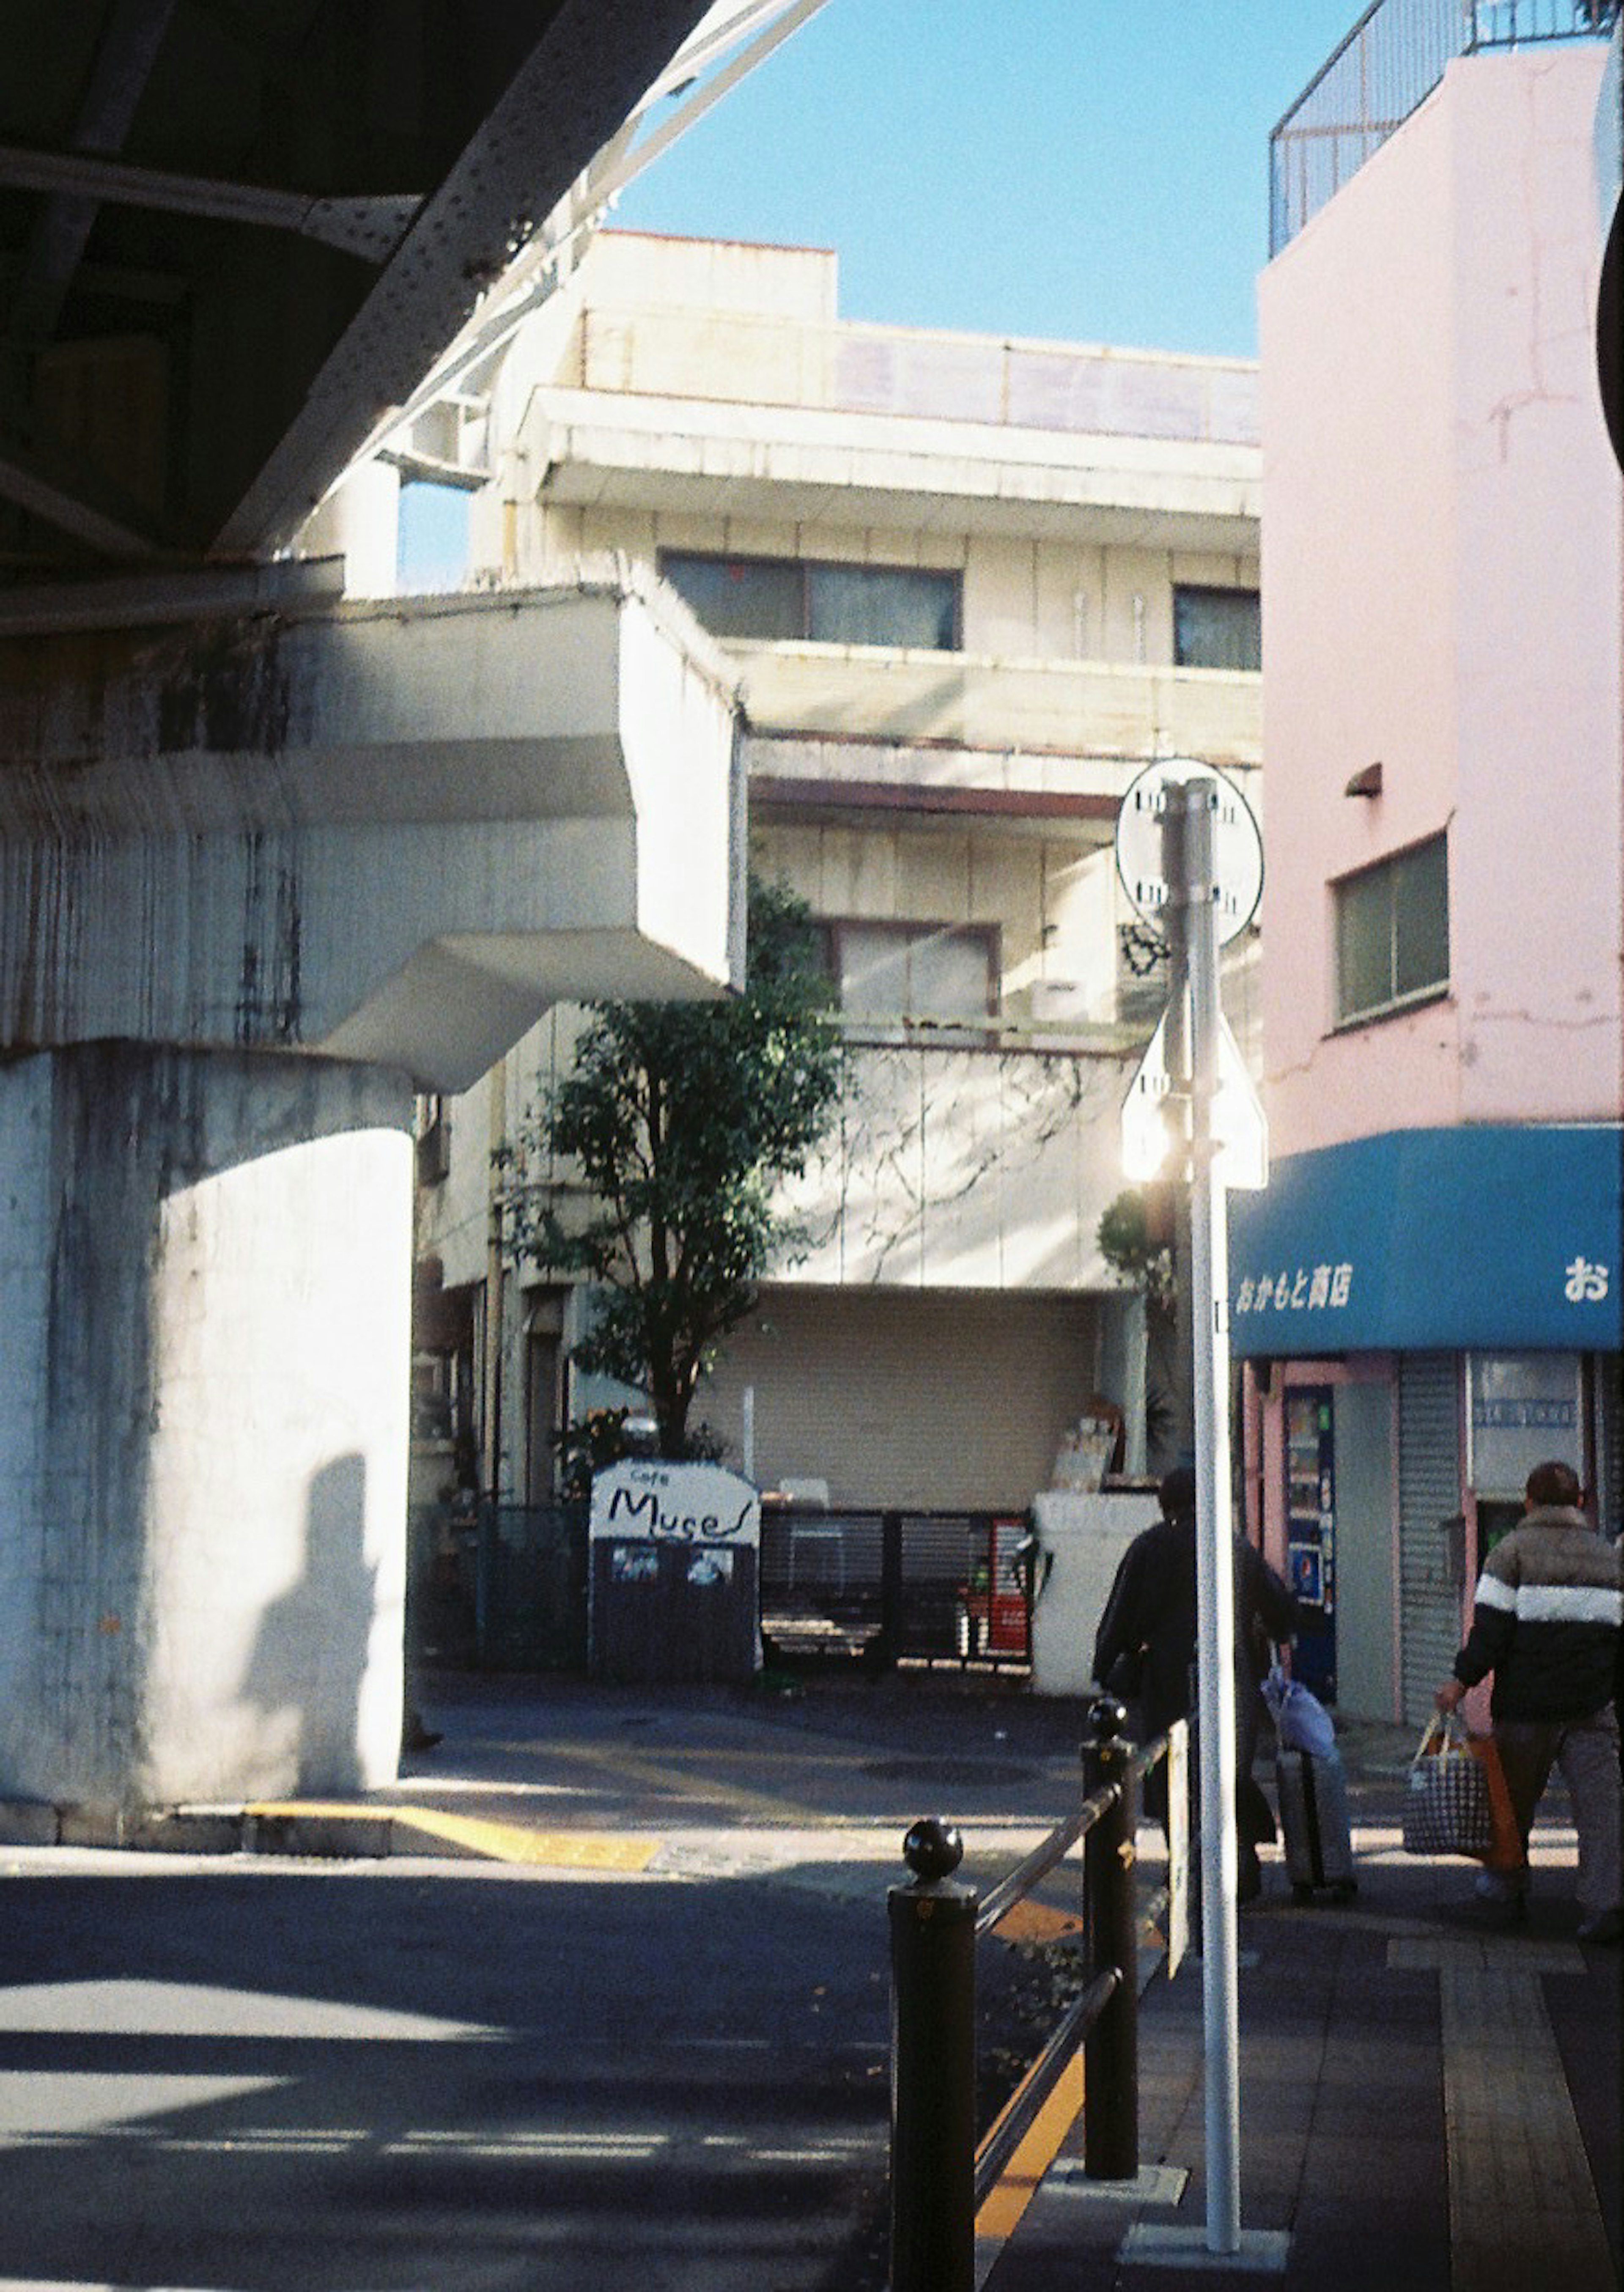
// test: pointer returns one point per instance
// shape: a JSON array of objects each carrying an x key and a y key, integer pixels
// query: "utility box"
[
  {"x": 675, "y": 1553},
  {"x": 1086, "y": 1533}
]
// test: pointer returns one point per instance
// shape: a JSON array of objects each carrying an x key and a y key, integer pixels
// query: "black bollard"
[
  {"x": 1110, "y": 2056},
  {"x": 933, "y": 2067}
]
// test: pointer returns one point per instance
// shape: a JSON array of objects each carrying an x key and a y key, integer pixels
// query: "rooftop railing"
[{"x": 1389, "y": 63}]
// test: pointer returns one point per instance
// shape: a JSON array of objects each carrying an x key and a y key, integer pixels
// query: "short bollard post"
[
  {"x": 932, "y": 2068},
  {"x": 1110, "y": 2054}
]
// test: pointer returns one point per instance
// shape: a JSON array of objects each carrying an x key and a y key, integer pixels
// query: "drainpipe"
[{"x": 497, "y": 1082}]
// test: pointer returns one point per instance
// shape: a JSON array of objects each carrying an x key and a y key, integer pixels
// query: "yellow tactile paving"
[{"x": 498, "y": 1842}]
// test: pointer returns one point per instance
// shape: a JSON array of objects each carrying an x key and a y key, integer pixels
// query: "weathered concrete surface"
[
  {"x": 393, "y": 833},
  {"x": 203, "y": 1440}
]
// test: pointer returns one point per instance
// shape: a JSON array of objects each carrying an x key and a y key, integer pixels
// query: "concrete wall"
[
  {"x": 1441, "y": 595},
  {"x": 394, "y": 835},
  {"x": 206, "y": 1260}
]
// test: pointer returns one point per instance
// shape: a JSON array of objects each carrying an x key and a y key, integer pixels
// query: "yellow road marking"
[
  {"x": 498, "y": 1842},
  {"x": 663, "y": 1773},
  {"x": 1031, "y": 2160},
  {"x": 510, "y": 1842},
  {"x": 1030, "y": 1921}
]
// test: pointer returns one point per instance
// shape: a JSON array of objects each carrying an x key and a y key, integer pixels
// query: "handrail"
[
  {"x": 939, "y": 2177},
  {"x": 1021, "y": 2112},
  {"x": 1017, "y": 1883}
]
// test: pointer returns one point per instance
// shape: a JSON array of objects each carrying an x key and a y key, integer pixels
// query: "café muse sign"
[{"x": 675, "y": 1504}]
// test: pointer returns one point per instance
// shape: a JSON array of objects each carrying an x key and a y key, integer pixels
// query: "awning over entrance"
[{"x": 1450, "y": 1240}]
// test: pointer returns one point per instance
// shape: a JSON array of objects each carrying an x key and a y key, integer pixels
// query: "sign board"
[
  {"x": 1236, "y": 842},
  {"x": 1522, "y": 1409},
  {"x": 700, "y": 1505},
  {"x": 1238, "y": 1123}
]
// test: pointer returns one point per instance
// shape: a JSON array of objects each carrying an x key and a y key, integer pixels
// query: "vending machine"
[{"x": 1310, "y": 1533}]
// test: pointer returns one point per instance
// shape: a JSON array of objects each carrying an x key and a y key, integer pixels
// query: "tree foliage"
[
  {"x": 681, "y": 1120},
  {"x": 1131, "y": 1247}
]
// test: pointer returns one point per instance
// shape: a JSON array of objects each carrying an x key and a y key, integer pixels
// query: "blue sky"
[
  {"x": 1087, "y": 170},
  {"x": 1093, "y": 170}
]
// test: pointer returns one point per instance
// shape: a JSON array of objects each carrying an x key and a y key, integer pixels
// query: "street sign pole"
[
  {"x": 1174, "y": 930},
  {"x": 1190, "y": 859},
  {"x": 1215, "y": 1575}
]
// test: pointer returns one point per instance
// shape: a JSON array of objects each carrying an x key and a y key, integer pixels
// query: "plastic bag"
[
  {"x": 1301, "y": 1721},
  {"x": 1505, "y": 1853}
]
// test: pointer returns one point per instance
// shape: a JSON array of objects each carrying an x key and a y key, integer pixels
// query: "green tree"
[{"x": 681, "y": 1119}]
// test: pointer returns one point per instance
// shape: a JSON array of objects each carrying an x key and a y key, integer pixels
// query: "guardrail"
[
  {"x": 939, "y": 2178},
  {"x": 1382, "y": 71}
]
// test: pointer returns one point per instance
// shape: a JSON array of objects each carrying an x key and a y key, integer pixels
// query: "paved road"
[
  {"x": 282, "y": 2077},
  {"x": 664, "y": 2068}
]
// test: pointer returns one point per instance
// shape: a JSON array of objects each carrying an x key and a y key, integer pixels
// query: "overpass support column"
[{"x": 206, "y": 1260}]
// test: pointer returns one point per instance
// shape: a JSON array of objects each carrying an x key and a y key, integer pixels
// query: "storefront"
[{"x": 1421, "y": 1317}]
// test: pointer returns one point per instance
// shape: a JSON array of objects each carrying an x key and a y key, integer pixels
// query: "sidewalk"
[{"x": 1421, "y": 2105}]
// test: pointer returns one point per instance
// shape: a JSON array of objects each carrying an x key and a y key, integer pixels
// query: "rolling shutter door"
[
  {"x": 917, "y": 1402},
  {"x": 1429, "y": 1492}
]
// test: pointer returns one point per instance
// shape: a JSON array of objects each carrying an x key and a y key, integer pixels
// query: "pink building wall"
[{"x": 1441, "y": 592}]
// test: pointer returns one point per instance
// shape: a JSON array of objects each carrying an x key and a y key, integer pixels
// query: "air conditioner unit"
[{"x": 1058, "y": 1002}]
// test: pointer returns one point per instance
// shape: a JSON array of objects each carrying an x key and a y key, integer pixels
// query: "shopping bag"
[
  {"x": 1447, "y": 1809},
  {"x": 1301, "y": 1721},
  {"x": 1504, "y": 1850}
]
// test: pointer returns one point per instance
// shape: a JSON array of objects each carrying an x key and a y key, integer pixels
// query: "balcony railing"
[
  {"x": 1064, "y": 708},
  {"x": 1389, "y": 63}
]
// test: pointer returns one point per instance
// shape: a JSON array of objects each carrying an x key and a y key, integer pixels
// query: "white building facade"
[{"x": 970, "y": 588}]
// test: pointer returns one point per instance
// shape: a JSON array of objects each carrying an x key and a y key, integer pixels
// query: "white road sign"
[
  {"x": 1242, "y": 1159},
  {"x": 1236, "y": 843}
]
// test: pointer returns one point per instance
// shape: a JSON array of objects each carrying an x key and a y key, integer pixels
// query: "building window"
[
  {"x": 769, "y": 599},
  {"x": 1392, "y": 931},
  {"x": 945, "y": 973},
  {"x": 1217, "y": 629}
]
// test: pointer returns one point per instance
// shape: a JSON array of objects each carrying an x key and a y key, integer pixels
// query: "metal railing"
[
  {"x": 1389, "y": 63},
  {"x": 939, "y": 2176}
]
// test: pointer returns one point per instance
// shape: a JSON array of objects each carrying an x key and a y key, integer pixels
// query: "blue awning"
[{"x": 1492, "y": 1238}]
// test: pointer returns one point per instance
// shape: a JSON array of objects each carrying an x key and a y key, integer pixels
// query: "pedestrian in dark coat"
[{"x": 1146, "y": 1646}]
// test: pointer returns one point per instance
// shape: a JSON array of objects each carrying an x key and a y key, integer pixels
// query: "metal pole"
[
  {"x": 1215, "y": 1574},
  {"x": 1110, "y": 2051},
  {"x": 932, "y": 2068},
  {"x": 1174, "y": 926}
]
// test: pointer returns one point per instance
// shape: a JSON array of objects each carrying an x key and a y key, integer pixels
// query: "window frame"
[
  {"x": 1388, "y": 868},
  {"x": 806, "y": 569},
  {"x": 912, "y": 930},
  {"x": 1217, "y": 589}
]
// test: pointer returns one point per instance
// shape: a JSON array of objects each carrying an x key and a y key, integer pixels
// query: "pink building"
[{"x": 1427, "y": 1298}]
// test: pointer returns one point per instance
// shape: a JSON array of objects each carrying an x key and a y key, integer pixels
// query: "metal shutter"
[
  {"x": 1609, "y": 1443},
  {"x": 908, "y": 1401},
  {"x": 1429, "y": 1492}
]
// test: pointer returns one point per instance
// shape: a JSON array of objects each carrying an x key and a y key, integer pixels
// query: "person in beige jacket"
[{"x": 1549, "y": 1621}]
